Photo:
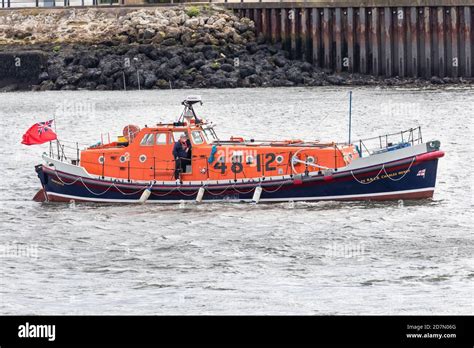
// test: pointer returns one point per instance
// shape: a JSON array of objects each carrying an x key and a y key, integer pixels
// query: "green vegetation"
[
  {"x": 57, "y": 48},
  {"x": 190, "y": 71},
  {"x": 193, "y": 11}
]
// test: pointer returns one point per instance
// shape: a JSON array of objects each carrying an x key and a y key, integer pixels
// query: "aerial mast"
[{"x": 350, "y": 115}]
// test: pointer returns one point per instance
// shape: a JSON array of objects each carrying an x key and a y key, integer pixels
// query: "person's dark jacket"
[{"x": 178, "y": 150}]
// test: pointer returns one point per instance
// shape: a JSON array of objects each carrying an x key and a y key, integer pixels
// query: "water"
[{"x": 295, "y": 258}]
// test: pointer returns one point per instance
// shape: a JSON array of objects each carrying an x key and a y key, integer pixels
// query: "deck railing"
[{"x": 370, "y": 146}]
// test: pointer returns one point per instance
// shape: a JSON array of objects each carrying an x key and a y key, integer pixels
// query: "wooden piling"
[
  {"x": 362, "y": 35},
  {"x": 284, "y": 21},
  {"x": 274, "y": 25},
  {"x": 387, "y": 30},
  {"x": 374, "y": 39},
  {"x": 467, "y": 26},
  {"x": 413, "y": 64},
  {"x": 265, "y": 24},
  {"x": 401, "y": 41},
  {"x": 315, "y": 37},
  {"x": 350, "y": 39},
  {"x": 454, "y": 42},
  {"x": 326, "y": 37},
  {"x": 246, "y": 12},
  {"x": 304, "y": 35},
  {"x": 427, "y": 40},
  {"x": 441, "y": 56},
  {"x": 293, "y": 28},
  {"x": 338, "y": 38},
  {"x": 258, "y": 20}
]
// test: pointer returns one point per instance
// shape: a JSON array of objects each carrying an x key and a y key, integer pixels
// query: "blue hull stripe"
[{"x": 420, "y": 177}]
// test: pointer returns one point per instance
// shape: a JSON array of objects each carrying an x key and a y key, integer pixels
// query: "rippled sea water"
[{"x": 402, "y": 257}]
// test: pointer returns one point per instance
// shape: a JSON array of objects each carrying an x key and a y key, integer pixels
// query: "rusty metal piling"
[{"x": 378, "y": 37}]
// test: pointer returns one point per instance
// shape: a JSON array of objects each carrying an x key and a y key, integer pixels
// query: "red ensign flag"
[{"x": 39, "y": 133}]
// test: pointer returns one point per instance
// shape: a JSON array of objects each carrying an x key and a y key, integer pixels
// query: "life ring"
[
  {"x": 312, "y": 161},
  {"x": 130, "y": 131}
]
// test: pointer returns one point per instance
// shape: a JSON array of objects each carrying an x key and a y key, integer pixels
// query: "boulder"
[
  {"x": 246, "y": 70},
  {"x": 437, "y": 81},
  {"x": 227, "y": 67},
  {"x": 148, "y": 33},
  {"x": 47, "y": 86},
  {"x": 252, "y": 47},
  {"x": 44, "y": 76},
  {"x": 305, "y": 66},
  {"x": 150, "y": 79},
  {"x": 197, "y": 63},
  {"x": 88, "y": 60},
  {"x": 242, "y": 27},
  {"x": 162, "y": 84},
  {"x": 169, "y": 42},
  {"x": 335, "y": 79},
  {"x": 280, "y": 61},
  {"x": 192, "y": 23},
  {"x": 294, "y": 75},
  {"x": 110, "y": 66},
  {"x": 174, "y": 62}
]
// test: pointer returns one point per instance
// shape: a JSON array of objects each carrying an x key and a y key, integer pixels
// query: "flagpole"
[{"x": 55, "y": 131}]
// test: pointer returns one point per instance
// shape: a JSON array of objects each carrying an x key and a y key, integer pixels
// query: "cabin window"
[
  {"x": 148, "y": 139},
  {"x": 177, "y": 134},
  {"x": 209, "y": 135},
  {"x": 197, "y": 137},
  {"x": 161, "y": 139}
]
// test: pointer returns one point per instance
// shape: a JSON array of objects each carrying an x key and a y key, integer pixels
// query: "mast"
[{"x": 350, "y": 115}]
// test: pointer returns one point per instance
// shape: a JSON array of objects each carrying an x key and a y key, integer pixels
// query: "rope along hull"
[{"x": 412, "y": 178}]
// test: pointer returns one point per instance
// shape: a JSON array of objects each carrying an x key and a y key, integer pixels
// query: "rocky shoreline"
[{"x": 193, "y": 47}]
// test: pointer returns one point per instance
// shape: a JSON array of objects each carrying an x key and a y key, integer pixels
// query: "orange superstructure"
[{"x": 146, "y": 154}]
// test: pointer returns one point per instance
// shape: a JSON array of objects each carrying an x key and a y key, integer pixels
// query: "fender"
[{"x": 429, "y": 156}]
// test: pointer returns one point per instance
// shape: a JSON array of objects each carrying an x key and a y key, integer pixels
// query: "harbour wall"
[
  {"x": 421, "y": 38},
  {"x": 222, "y": 46}
]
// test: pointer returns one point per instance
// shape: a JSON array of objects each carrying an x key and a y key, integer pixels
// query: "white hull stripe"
[{"x": 320, "y": 198}]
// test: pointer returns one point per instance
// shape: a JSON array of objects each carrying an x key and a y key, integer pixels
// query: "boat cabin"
[{"x": 146, "y": 154}]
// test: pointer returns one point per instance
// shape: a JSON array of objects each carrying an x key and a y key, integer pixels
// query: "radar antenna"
[{"x": 188, "y": 112}]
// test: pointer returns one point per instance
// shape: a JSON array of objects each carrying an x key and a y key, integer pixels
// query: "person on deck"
[{"x": 182, "y": 154}]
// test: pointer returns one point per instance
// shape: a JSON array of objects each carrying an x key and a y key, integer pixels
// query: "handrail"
[
  {"x": 401, "y": 139},
  {"x": 163, "y": 165},
  {"x": 390, "y": 134}
]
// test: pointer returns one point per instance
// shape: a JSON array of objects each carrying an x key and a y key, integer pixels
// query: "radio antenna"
[{"x": 350, "y": 115}]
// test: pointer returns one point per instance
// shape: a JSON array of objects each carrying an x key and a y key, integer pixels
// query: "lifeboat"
[{"x": 142, "y": 166}]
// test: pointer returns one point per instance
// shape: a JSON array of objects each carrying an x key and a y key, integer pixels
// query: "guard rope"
[
  {"x": 366, "y": 183},
  {"x": 408, "y": 170},
  {"x": 385, "y": 171}
]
